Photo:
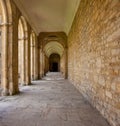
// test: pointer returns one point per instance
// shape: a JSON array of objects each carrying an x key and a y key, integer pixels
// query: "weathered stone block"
[{"x": 94, "y": 48}]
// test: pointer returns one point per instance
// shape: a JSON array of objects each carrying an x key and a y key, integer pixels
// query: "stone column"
[
  {"x": 4, "y": 71},
  {"x": 41, "y": 63},
  {"x": 66, "y": 63},
  {"x": 21, "y": 50},
  {"x": 13, "y": 57},
  {"x": 10, "y": 59},
  {"x": 46, "y": 64},
  {"x": 27, "y": 59},
  {"x": 35, "y": 59},
  {"x": 32, "y": 60},
  {"x": 39, "y": 76},
  {"x": 41, "y": 67}
]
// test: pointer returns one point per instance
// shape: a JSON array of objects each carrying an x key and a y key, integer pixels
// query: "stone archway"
[
  {"x": 52, "y": 43},
  {"x": 55, "y": 55},
  {"x": 54, "y": 63},
  {"x": 21, "y": 52},
  {"x": 34, "y": 56}
]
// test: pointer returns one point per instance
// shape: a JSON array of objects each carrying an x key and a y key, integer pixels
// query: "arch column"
[
  {"x": 39, "y": 75},
  {"x": 10, "y": 49},
  {"x": 27, "y": 59},
  {"x": 32, "y": 59},
  {"x": 41, "y": 63},
  {"x": 10, "y": 59},
  {"x": 22, "y": 58},
  {"x": 66, "y": 62},
  {"x": 35, "y": 58},
  {"x": 4, "y": 71},
  {"x": 46, "y": 64}
]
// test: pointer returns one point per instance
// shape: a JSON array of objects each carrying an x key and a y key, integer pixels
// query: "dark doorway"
[
  {"x": 54, "y": 63},
  {"x": 55, "y": 67}
]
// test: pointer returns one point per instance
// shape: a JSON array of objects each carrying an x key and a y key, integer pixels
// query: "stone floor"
[{"x": 52, "y": 101}]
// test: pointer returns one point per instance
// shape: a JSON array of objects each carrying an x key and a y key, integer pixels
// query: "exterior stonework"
[{"x": 94, "y": 55}]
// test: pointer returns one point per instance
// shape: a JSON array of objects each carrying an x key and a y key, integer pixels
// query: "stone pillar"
[
  {"x": 24, "y": 68},
  {"x": 27, "y": 59},
  {"x": 35, "y": 59},
  {"x": 39, "y": 76},
  {"x": 32, "y": 59},
  {"x": 10, "y": 59},
  {"x": 21, "y": 54},
  {"x": 41, "y": 67},
  {"x": 4, "y": 71},
  {"x": 46, "y": 64},
  {"x": 9, "y": 48},
  {"x": 66, "y": 63},
  {"x": 13, "y": 57},
  {"x": 41, "y": 63}
]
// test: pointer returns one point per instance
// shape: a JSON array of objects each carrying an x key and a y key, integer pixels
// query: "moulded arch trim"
[
  {"x": 20, "y": 29},
  {"x": 24, "y": 23},
  {"x": 32, "y": 38},
  {"x": 7, "y": 11}
]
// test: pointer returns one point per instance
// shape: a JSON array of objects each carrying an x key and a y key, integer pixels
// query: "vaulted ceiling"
[
  {"x": 53, "y": 47},
  {"x": 49, "y": 15}
]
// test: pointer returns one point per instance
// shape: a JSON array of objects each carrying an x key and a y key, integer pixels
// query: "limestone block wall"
[{"x": 94, "y": 55}]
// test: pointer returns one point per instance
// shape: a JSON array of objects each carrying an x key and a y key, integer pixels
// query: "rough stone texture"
[
  {"x": 94, "y": 55},
  {"x": 53, "y": 102}
]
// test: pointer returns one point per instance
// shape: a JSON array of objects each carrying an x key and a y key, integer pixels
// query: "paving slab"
[{"x": 52, "y": 101}]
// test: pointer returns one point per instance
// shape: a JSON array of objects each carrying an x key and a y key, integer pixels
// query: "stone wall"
[{"x": 94, "y": 55}]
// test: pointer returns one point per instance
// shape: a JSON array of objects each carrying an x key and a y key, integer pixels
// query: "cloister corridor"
[
  {"x": 52, "y": 101},
  {"x": 59, "y": 62}
]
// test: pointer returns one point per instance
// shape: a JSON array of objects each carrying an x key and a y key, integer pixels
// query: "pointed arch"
[
  {"x": 21, "y": 53},
  {"x": 53, "y": 47},
  {"x": 6, "y": 11},
  {"x": 25, "y": 52}
]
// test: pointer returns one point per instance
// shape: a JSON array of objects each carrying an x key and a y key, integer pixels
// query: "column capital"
[
  {"x": 23, "y": 38},
  {"x": 5, "y": 24}
]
